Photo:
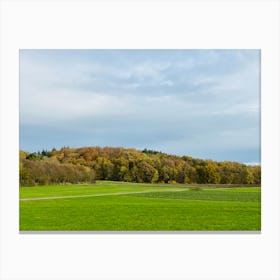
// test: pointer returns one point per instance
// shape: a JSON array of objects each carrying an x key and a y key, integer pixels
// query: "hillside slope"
[{"x": 73, "y": 165}]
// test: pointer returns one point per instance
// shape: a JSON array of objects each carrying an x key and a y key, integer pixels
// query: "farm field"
[{"x": 119, "y": 206}]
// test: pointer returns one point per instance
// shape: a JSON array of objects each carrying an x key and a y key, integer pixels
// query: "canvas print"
[{"x": 140, "y": 140}]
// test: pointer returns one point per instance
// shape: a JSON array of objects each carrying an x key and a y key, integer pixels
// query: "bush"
[{"x": 196, "y": 188}]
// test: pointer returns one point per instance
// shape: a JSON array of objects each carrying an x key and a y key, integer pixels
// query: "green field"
[{"x": 118, "y": 206}]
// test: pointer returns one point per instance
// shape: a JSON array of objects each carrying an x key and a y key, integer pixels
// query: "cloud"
[
  {"x": 199, "y": 102},
  {"x": 253, "y": 163}
]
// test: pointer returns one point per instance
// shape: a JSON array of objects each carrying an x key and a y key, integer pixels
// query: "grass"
[{"x": 139, "y": 207}]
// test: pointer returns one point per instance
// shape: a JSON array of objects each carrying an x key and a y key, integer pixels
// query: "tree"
[
  {"x": 24, "y": 176},
  {"x": 256, "y": 171},
  {"x": 208, "y": 173},
  {"x": 131, "y": 165},
  {"x": 246, "y": 175},
  {"x": 44, "y": 153},
  {"x": 147, "y": 173}
]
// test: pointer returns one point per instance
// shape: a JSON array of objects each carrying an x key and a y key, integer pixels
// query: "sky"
[{"x": 201, "y": 103}]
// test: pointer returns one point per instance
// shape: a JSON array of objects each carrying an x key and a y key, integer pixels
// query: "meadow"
[{"x": 119, "y": 206}]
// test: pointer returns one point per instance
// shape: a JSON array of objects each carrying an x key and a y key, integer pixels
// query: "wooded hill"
[{"x": 78, "y": 165}]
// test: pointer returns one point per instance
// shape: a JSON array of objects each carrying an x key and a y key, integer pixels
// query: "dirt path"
[{"x": 93, "y": 195}]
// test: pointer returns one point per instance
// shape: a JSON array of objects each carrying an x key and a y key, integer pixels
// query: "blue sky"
[{"x": 202, "y": 103}]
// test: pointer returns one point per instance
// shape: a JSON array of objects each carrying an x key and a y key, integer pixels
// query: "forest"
[{"x": 87, "y": 164}]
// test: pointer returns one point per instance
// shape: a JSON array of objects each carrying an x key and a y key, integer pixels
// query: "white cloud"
[
  {"x": 181, "y": 101},
  {"x": 253, "y": 163}
]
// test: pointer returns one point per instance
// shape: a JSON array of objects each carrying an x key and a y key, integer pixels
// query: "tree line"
[{"x": 86, "y": 164}]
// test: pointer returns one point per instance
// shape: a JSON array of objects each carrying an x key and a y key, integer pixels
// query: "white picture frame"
[{"x": 139, "y": 24}]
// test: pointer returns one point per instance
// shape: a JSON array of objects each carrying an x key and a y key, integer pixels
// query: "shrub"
[
  {"x": 172, "y": 182},
  {"x": 196, "y": 188}
]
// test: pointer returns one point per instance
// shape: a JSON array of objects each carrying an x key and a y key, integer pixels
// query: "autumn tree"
[{"x": 130, "y": 165}]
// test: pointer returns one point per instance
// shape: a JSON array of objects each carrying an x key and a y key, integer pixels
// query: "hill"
[{"x": 76, "y": 165}]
